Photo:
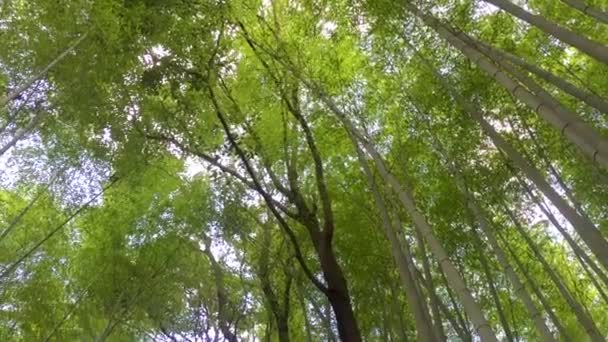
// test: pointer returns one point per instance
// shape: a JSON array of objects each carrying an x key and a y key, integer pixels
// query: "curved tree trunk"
[
  {"x": 586, "y": 45},
  {"x": 336, "y": 290},
  {"x": 406, "y": 198},
  {"x": 322, "y": 232},
  {"x": 338, "y": 294}
]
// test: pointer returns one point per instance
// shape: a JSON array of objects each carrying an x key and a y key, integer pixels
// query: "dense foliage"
[{"x": 314, "y": 170}]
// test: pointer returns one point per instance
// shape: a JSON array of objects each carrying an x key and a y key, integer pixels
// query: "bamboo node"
[
  {"x": 539, "y": 105},
  {"x": 563, "y": 130},
  {"x": 496, "y": 72},
  {"x": 595, "y": 153},
  {"x": 515, "y": 88}
]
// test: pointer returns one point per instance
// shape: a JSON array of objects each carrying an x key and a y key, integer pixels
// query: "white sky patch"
[
  {"x": 132, "y": 111},
  {"x": 9, "y": 169},
  {"x": 265, "y": 7},
  {"x": 364, "y": 27},
  {"x": 151, "y": 58},
  {"x": 194, "y": 167},
  {"x": 569, "y": 52},
  {"x": 483, "y": 9},
  {"x": 28, "y": 162},
  {"x": 327, "y": 28}
]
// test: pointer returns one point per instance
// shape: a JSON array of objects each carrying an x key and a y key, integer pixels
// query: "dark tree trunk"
[{"x": 337, "y": 293}]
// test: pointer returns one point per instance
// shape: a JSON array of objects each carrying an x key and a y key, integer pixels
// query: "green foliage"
[{"x": 176, "y": 127}]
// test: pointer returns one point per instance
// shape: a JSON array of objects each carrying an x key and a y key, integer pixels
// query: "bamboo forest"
[{"x": 304, "y": 170}]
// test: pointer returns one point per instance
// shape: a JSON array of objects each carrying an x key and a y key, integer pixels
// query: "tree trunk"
[
  {"x": 15, "y": 221},
  {"x": 397, "y": 313},
  {"x": 480, "y": 323},
  {"x": 588, "y": 10},
  {"x": 21, "y": 133},
  {"x": 434, "y": 301},
  {"x": 553, "y": 171},
  {"x": 278, "y": 313},
  {"x": 576, "y": 131},
  {"x": 68, "y": 314},
  {"x": 578, "y": 251},
  {"x": 587, "y": 97},
  {"x": 336, "y": 290},
  {"x": 437, "y": 330},
  {"x": 283, "y": 324},
  {"x": 520, "y": 290},
  {"x": 406, "y": 197},
  {"x": 414, "y": 297},
  {"x": 586, "y": 229},
  {"x": 11, "y": 268},
  {"x": 461, "y": 319},
  {"x": 304, "y": 308},
  {"x": 459, "y": 328},
  {"x": 584, "y": 260},
  {"x": 338, "y": 294},
  {"x": 566, "y": 114},
  {"x": 484, "y": 224},
  {"x": 541, "y": 297},
  {"x": 493, "y": 292},
  {"x": 585, "y": 320},
  {"x": 15, "y": 93},
  {"x": 222, "y": 296},
  {"x": 322, "y": 235},
  {"x": 591, "y": 277},
  {"x": 537, "y": 177},
  {"x": 588, "y": 46}
]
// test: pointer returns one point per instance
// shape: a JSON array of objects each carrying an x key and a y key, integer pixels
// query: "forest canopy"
[{"x": 304, "y": 170}]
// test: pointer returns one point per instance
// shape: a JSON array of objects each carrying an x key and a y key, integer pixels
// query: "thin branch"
[
  {"x": 15, "y": 93},
  {"x": 267, "y": 198},
  {"x": 14, "y": 265}
]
